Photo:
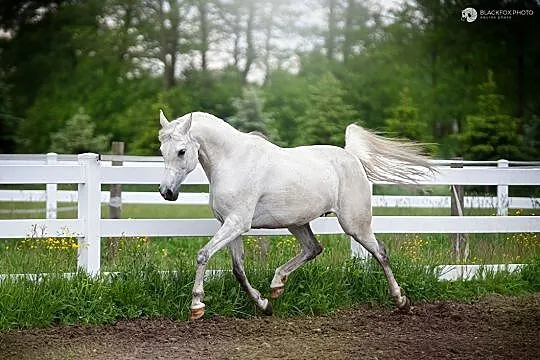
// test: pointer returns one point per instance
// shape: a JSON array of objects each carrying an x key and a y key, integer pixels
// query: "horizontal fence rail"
[
  {"x": 392, "y": 201},
  {"x": 207, "y": 227},
  {"x": 90, "y": 173}
]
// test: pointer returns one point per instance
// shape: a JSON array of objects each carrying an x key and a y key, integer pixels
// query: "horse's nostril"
[{"x": 167, "y": 194}]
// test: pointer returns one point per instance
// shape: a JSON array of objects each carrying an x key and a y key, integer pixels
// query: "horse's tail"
[{"x": 384, "y": 159}]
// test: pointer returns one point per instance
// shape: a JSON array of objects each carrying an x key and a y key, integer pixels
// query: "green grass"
[
  {"x": 331, "y": 281},
  {"x": 142, "y": 291},
  {"x": 59, "y": 254}
]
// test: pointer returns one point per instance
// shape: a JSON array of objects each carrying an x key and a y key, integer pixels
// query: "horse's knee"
[
  {"x": 202, "y": 257},
  {"x": 382, "y": 251}
]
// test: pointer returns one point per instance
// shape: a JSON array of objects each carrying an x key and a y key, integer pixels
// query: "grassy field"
[
  {"x": 331, "y": 281},
  {"x": 320, "y": 287}
]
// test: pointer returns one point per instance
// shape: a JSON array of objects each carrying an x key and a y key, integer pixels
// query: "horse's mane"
[{"x": 259, "y": 134}]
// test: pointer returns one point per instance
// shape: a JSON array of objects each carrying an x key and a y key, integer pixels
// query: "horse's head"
[{"x": 180, "y": 154}]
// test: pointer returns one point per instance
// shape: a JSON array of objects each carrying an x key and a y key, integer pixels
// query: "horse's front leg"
[{"x": 232, "y": 227}]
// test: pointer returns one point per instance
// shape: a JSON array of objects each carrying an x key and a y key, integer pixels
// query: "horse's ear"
[
  {"x": 185, "y": 125},
  {"x": 162, "y": 119}
]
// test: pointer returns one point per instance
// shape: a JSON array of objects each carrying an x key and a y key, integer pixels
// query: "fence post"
[
  {"x": 51, "y": 190},
  {"x": 357, "y": 250},
  {"x": 89, "y": 213},
  {"x": 502, "y": 192},
  {"x": 115, "y": 199},
  {"x": 460, "y": 243}
]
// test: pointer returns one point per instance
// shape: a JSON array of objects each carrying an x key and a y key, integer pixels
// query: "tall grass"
[
  {"x": 141, "y": 290},
  {"x": 139, "y": 286}
]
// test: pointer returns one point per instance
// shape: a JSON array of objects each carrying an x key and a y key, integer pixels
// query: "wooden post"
[
  {"x": 115, "y": 198},
  {"x": 460, "y": 243}
]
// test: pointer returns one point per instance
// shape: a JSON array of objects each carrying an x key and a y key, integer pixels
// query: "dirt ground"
[{"x": 496, "y": 327}]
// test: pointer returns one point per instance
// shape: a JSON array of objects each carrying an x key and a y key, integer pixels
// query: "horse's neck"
[{"x": 216, "y": 139}]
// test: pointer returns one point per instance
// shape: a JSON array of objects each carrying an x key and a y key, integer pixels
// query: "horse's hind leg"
[
  {"x": 310, "y": 248},
  {"x": 363, "y": 234},
  {"x": 237, "y": 255}
]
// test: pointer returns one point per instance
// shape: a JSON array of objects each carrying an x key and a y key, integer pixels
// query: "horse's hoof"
[
  {"x": 276, "y": 292},
  {"x": 406, "y": 307},
  {"x": 196, "y": 313},
  {"x": 268, "y": 310}
]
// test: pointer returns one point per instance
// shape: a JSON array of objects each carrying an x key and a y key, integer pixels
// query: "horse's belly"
[{"x": 279, "y": 211}]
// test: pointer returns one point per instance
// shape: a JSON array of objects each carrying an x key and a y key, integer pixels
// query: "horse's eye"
[{"x": 181, "y": 152}]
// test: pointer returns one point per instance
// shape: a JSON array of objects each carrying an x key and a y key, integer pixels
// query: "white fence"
[
  {"x": 51, "y": 196},
  {"x": 90, "y": 173}
]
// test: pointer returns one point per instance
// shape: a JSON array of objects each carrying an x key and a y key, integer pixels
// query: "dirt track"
[{"x": 494, "y": 328}]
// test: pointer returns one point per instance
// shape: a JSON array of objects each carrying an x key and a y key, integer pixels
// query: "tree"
[
  {"x": 327, "y": 114},
  {"x": 7, "y": 120},
  {"x": 238, "y": 23},
  {"x": 531, "y": 139},
  {"x": 14, "y": 14},
  {"x": 286, "y": 98},
  {"x": 404, "y": 120},
  {"x": 162, "y": 27},
  {"x": 204, "y": 31},
  {"x": 330, "y": 41},
  {"x": 277, "y": 26},
  {"x": 490, "y": 134},
  {"x": 78, "y": 136},
  {"x": 249, "y": 114},
  {"x": 357, "y": 28}
]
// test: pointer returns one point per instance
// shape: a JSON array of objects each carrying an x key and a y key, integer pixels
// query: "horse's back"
[
  {"x": 353, "y": 187},
  {"x": 300, "y": 184}
]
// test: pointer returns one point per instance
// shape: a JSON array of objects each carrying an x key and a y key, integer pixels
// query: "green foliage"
[
  {"x": 327, "y": 114},
  {"x": 122, "y": 60},
  {"x": 200, "y": 91},
  {"x": 286, "y": 99},
  {"x": 531, "y": 138},
  {"x": 78, "y": 136},
  {"x": 404, "y": 120},
  {"x": 212, "y": 91},
  {"x": 249, "y": 114},
  {"x": 531, "y": 273},
  {"x": 490, "y": 134},
  {"x": 145, "y": 136}
]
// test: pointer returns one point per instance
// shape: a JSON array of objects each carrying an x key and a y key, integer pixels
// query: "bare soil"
[{"x": 496, "y": 327}]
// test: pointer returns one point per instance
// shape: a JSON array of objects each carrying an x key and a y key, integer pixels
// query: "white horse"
[{"x": 256, "y": 184}]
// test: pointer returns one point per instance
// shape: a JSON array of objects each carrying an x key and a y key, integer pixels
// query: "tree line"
[{"x": 76, "y": 74}]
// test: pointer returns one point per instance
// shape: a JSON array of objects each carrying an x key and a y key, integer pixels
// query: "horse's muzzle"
[{"x": 168, "y": 194}]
